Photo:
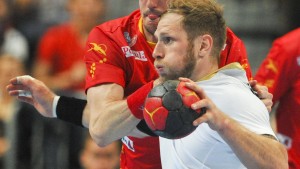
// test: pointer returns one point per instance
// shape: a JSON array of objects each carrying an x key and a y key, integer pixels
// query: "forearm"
[
  {"x": 141, "y": 130},
  {"x": 111, "y": 116},
  {"x": 254, "y": 151},
  {"x": 112, "y": 123}
]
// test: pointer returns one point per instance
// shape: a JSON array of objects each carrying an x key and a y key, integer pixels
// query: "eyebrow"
[{"x": 161, "y": 34}]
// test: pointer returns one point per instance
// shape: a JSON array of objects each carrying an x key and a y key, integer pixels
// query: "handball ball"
[{"x": 168, "y": 111}]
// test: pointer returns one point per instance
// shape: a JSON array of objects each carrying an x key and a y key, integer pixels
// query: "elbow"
[{"x": 99, "y": 136}]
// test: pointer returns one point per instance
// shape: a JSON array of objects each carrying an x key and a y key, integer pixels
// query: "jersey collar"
[
  {"x": 151, "y": 44},
  {"x": 234, "y": 65}
]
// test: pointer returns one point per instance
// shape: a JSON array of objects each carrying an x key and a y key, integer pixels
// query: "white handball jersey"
[{"x": 204, "y": 148}]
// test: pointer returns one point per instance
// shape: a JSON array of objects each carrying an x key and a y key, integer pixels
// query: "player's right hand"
[{"x": 34, "y": 92}]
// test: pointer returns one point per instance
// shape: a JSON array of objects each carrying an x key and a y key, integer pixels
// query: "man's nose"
[
  {"x": 157, "y": 52},
  {"x": 152, "y": 4}
]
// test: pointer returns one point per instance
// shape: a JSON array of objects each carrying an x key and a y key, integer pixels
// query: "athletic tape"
[
  {"x": 25, "y": 93},
  {"x": 25, "y": 76}
]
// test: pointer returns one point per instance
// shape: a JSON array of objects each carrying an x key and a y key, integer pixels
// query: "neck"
[
  {"x": 204, "y": 69},
  {"x": 149, "y": 36}
]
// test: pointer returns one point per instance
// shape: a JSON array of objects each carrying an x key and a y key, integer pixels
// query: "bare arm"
[
  {"x": 254, "y": 151},
  {"x": 36, "y": 93},
  {"x": 110, "y": 117}
]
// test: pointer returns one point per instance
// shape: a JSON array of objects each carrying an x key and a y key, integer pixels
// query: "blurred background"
[{"x": 35, "y": 36}]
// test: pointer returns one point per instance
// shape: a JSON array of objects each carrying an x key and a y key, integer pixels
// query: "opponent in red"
[{"x": 280, "y": 72}]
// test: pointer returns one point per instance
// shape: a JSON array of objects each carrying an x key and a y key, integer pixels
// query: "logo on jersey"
[
  {"x": 100, "y": 48},
  {"x": 138, "y": 55},
  {"x": 129, "y": 143},
  {"x": 130, "y": 41},
  {"x": 271, "y": 66},
  {"x": 92, "y": 70}
]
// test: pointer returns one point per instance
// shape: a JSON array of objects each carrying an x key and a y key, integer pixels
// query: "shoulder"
[
  {"x": 289, "y": 42},
  {"x": 122, "y": 23},
  {"x": 231, "y": 37},
  {"x": 234, "y": 97},
  {"x": 230, "y": 91},
  {"x": 293, "y": 35}
]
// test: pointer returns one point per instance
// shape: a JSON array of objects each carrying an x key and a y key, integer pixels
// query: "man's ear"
[{"x": 206, "y": 43}]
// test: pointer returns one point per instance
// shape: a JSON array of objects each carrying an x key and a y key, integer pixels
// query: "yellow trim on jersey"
[
  {"x": 151, "y": 44},
  {"x": 234, "y": 65},
  {"x": 141, "y": 25}
]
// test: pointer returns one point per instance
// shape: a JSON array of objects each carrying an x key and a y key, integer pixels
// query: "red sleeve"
[
  {"x": 277, "y": 71},
  {"x": 235, "y": 51},
  {"x": 104, "y": 62}
]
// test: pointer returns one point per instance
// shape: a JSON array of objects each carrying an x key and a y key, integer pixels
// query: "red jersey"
[
  {"x": 117, "y": 52},
  {"x": 280, "y": 72},
  {"x": 61, "y": 48},
  {"x": 235, "y": 51}
]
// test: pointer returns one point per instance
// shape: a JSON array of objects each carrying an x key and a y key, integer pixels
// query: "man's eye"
[{"x": 167, "y": 40}]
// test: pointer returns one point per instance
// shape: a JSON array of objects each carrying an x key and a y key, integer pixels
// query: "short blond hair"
[{"x": 201, "y": 17}]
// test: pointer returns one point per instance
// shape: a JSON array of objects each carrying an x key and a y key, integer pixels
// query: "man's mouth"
[
  {"x": 159, "y": 69},
  {"x": 153, "y": 16}
]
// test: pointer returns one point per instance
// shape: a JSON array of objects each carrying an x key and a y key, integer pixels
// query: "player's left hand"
[
  {"x": 214, "y": 117},
  {"x": 34, "y": 92},
  {"x": 263, "y": 94}
]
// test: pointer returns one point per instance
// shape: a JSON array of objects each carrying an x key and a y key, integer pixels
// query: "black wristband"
[
  {"x": 70, "y": 110},
  {"x": 143, "y": 127}
]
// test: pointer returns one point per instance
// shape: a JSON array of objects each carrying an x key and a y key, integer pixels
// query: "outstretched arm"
[
  {"x": 36, "y": 93},
  {"x": 253, "y": 150},
  {"x": 48, "y": 104}
]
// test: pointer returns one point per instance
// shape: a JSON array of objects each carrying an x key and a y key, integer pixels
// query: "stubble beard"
[
  {"x": 150, "y": 29},
  {"x": 189, "y": 61}
]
